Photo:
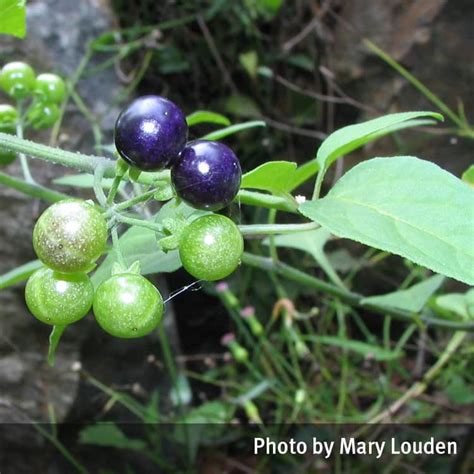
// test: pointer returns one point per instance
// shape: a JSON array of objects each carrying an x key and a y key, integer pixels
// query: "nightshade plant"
[{"x": 402, "y": 205}]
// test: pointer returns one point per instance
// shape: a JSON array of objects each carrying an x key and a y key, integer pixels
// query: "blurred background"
[{"x": 301, "y": 66}]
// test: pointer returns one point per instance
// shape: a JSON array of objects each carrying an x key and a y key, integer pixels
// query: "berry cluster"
[
  {"x": 151, "y": 134},
  {"x": 71, "y": 235},
  {"x": 46, "y": 91},
  {"x": 68, "y": 238}
]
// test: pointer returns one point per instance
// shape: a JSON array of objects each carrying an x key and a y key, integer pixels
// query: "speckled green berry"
[
  {"x": 211, "y": 247},
  {"x": 57, "y": 298},
  {"x": 70, "y": 236},
  {"x": 127, "y": 305}
]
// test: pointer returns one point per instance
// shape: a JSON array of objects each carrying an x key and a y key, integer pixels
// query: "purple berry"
[
  {"x": 206, "y": 175},
  {"x": 150, "y": 133}
]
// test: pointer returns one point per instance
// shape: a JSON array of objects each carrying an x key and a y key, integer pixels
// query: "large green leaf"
[
  {"x": 274, "y": 176},
  {"x": 412, "y": 299},
  {"x": 406, "y": 206},
  {"x": 13, "y": 17},
  {"x": 349, "y": 138}
]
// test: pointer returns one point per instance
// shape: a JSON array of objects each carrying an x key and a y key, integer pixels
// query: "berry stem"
[{"x": 23, "y": 160}]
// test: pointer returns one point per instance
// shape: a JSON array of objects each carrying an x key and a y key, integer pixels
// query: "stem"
[
  {"x": 270, "y": 229},
  {"x": 98, "y": 190},
  {"x": 54, "y": 339},
  {"x": 118, "y": 250},
  {"x": 416, "y": 83},
  {"x": 113, "y": 190},
  {"x": 30, "y": 189},
  {"x": 268, "y": 201},
  {"x": 131, "y": 202},
  {"x": 23, "y": 160},
  {"x": 353, "y": 299},
  {"x": 139, "y": 222}
]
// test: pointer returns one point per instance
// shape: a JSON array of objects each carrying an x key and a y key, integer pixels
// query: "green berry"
[
  {"x": 127, "y": 305},
  {"x": 17, "y": 79},
  {"x": 50, "y": 88},
  {"x": 70, "y": 236},
  {"x": 43, "y": 115},
  {"x": 211, "y": 247},
  {"x": 59, "y": 299}
]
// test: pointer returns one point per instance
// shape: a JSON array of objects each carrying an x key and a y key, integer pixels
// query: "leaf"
[
  {"x": 303, "y": 173},
  {"x": 225, "y": 132},
  {"x": 349, "y": 138},
  {"x": 13, "y": 17},
  {"x": 458, "y": 391},
  {"x": 242, "y": 106},
  {"x": 361, "y": 348},
  {"x": 458, "y": 303},
  {"x": 312, "y": 242},
  {"x": 110, "y": 435},
  {"x": 406, "y": 206},
  {"x": 138, "y": 243},
  {"x": 181, "y": 393},
  {"x": 412, "y": 299},
  {"x": 468, "y": 175},
  {"x": 249, "y": 61},
  {"x": 273, "y": 176},
  {"x": 83, "y": 181},
  {"x": 19, "y": 274},
  {"x": 206, "y": 116}
]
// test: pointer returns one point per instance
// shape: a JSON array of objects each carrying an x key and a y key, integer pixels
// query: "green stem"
[
  {"x": 117, "y": 249},
  {"x": 139, "y": 222},
  {"x": 113, "y": 190},
  {"x": 54, "y": 339},
  {"x": 353, "y": 299},
  {"x": 131, "y": 202},
  {"x": 270, "y": 229},
  {"x": 30, "y": 189},
  {"x": 417, "y": 84},
  {"x": 23, "y": 160},
  {"x": 268, "y": 201}
]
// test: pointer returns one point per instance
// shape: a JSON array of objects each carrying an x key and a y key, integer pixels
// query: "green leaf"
[
  {"x": 359, "y": 347},
  {"x": 110, "y": 435},
  {"x": 206, "y": 116},
  {"x": 412, "y": 299},
  {"x": 406, "y": 206},
  {"x": 181, "y": 394},
  {"x": 13, "y": 17},
  {"x": 138, "y": 243},
  {"x": 458, "y": 303},
  {"x": 242, "y": 106},
  {"x": 303, "y": 173},
  {"x": 468, "y": 175},
  {"x": 458, "y": 391},
  {"x": 249, "y": 61},
  {"x": 83, "y": 180},
  {"x": 225, "y": 132},
  {"x": 312, "y": 242},
  {"x": 274, "y": 176},
  {"x": 19, "y": 274},
  {"x": 349, "y": 138}
]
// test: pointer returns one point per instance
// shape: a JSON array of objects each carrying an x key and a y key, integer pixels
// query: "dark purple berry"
[
  {"x": 206, "y": 175},
  {"x": 150, "y": 133}
]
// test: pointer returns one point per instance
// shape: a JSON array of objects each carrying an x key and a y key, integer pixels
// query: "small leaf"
[
  {"x": 206, "y": 116},
  {"x": 468, "y": 176},
  {"x": 458, "y": 303},
  {"x": 242, "y": 106},
  {"x": 359, "y": 347},
  {"x": 406, "y": 206},
  {"x": 225, "y": 132},
  {"x": 19, "y": 274},
  {"x": 83, "y": 181},
  {"x": 303, "y": 173},
  {"x": 110, "y": 435},
  {"x": 181, "y": 394},
  {"x": 249, "y": 62},
  {"x": 412, "y": 299},
  {"x": 274, "y": 176},
  {"x": 312, "y": 242},
  {"x": 13, "y": 17}
]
